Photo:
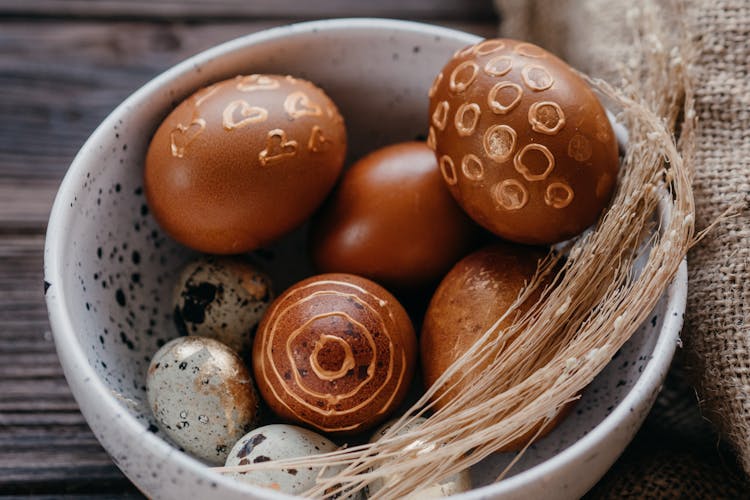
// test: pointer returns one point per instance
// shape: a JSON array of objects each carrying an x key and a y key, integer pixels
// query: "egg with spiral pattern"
[{"x": 335, "y": 352}]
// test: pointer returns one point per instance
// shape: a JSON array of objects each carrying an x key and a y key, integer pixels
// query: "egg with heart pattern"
[{"x": 243, "y": 161}]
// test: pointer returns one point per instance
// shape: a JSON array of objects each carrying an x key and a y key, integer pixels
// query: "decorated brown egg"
[
  {"x": 335, "y": 352},
  {"x": 522, "y": 142},
  {"x": 392, "y": 220},
  {"x": 242, "y": 162},
  {"x": 470, "y": 299}
]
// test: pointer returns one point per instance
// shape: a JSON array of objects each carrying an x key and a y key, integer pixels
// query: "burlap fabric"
[
  {"x": 717, "y": 334},
  {"x": 677, "y": 453}
]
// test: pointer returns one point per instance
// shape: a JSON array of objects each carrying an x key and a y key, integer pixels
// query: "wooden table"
[{"x": 64, "y": 65}]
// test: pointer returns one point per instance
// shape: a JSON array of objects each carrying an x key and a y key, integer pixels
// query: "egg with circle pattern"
[
  {"x": 522, "y": 141},
  {"x": 243, "y": 161},
  {"x": 336, "y": 352}
]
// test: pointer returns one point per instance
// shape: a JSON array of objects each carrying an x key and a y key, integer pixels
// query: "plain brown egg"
[
  {"x": 472, "y": 296},
  {"x": 522, "y": 142},
  {"x": 242, "y": 162},
  {"x": 392, "y": 220},
  {"x": 335, "y": 352}
]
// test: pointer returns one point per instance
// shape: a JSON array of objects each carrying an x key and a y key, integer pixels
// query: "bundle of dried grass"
[{"x": 611, "y": 278}]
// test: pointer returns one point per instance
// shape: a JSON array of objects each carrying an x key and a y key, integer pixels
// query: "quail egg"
[
  {"x": 223, "y": 298},
  {"x": 202, "y": 396},
  {"x": 275, "y": 442}
]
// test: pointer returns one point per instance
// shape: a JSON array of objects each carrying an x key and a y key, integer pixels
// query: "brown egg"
[
  {"x": 242, "y": 162},
  {"x": 473, "y": 295},
  {"x": 335, "y": 352},
  {"x": 392, "y": 220},
  {"x": 523, "y": 143}
]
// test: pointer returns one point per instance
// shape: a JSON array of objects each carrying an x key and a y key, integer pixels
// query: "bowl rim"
[{"x": 75, "y": 361}]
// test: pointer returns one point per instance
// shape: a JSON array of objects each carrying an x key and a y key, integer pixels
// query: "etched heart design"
[
  {"x": 247, "y": 114},
  {"x": 251, "y": 83},
  {"x": 182, "y": 135},
  {"x": 318, "y": 142},
  {"x": 298, "y": 104},
  {"x": 277, "y": 148}
]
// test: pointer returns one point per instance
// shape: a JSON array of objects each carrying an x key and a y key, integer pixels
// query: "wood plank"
[
  {"x": 19, "y": 343},
  {"x": 36, "y": 405},
  {"x": 239, "y": 9},
  {"x": 25, "y": 203},
  {"x": 43, "y": 388},
  {"x": 114, "y": 490},
  {"x": 22, "y": 310},
  {"x": 27, "y": 366},
  {"x": 45, "y": 445},
  {"x": 71, "y": 481}
]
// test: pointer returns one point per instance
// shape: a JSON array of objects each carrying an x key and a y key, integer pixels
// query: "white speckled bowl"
[{"x": 109, "y": 267}]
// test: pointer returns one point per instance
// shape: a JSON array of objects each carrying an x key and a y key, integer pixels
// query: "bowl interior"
[{"x": 117, "y": 266}]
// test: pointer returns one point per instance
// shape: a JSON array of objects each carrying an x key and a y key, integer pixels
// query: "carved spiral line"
[
  {"x": 301, "y": 393},
  {"x": 348, "y": 364},
  {"x": 290, "y": 340}
]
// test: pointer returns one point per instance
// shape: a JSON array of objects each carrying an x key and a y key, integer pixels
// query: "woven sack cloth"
[
  {"x": 717, "y": 333},
  {"x": 665, "y": 474},
  {"x": 596, "y": 37}
]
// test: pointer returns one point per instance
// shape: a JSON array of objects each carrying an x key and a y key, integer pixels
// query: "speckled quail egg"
[
  {"x": 223, "y": 298},
  {"x": 202, "y": 396},
  {"x": 275, "y": 442},
  {"x": 452, "y": 485}
]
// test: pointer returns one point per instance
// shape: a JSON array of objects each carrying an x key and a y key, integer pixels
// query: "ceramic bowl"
[{"x": 109, "y": 268}]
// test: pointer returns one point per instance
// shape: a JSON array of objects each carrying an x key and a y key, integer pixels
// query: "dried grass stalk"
[{"x": 597, "y": 300}]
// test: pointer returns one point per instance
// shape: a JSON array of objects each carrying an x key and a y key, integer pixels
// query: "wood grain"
[
  {"x": 238, "y": 9},
  {"x": 45, "y": 444}
]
